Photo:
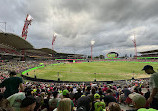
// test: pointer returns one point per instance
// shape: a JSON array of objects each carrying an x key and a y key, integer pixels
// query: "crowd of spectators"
[{"x": 40, "y": 96}]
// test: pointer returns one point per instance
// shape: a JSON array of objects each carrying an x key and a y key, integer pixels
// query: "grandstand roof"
[
  {"x": 70, "y": 54},
  {"x": 14, "y": 41},
  {"x": 151, "y": 51}
]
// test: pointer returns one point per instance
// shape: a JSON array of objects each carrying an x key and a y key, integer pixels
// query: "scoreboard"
[{"x": 112, "y": 55}]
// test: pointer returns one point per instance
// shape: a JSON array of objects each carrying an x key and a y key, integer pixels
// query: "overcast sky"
[{"x": 112, "y": 24}]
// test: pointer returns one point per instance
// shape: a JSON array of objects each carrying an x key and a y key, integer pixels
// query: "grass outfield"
[{"x": 105, "y": 71}]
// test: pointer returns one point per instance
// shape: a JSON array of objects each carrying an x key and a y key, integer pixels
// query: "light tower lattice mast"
[
  {"x": 25, "y": 29},
  {"x": 135, "y": 45},
  {"x": 53, "y": 40},
  {"x": 92, "y": 44},
  {"x": 26, "y": 24}
]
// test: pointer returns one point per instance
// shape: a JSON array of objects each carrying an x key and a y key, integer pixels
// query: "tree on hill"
[{"x": 101, "y": 57}]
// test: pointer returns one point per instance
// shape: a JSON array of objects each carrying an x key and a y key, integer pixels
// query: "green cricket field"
[{"x": 88, "y": 71}]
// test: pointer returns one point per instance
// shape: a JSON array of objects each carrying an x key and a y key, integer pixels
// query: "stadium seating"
[{"x": 43, "y": 91}]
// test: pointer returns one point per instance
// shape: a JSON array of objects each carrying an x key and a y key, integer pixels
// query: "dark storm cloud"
[
  {"x": 111, "y": 23},
  {"x": 114, "y": 10}
]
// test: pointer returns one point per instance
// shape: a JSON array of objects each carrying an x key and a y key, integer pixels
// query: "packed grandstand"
[{"x": 19, "y": 55}]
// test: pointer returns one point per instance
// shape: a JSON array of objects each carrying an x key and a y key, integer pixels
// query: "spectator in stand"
[
  {"x": 84, "y": 104},
  {"x": 138, "y": 101},
  {"x": 97, "y": 104},
  {"x": 64, "y": 105},
  {"x": 109, "y": 97},
  {"x": 126, "y": 91},
  {"x": 71, "y": 94},
  {"x": 77, "y": 95},
  {"x": 146, "y": 93},
  {"x": 46, "y": 100},
  {"x": 93, "y": 91},
  {"x": 101, "y": 93},
  {"x": 4, "y": 104},
  {"x": 118, "y": 93},
  {"x": 153, "y": 86},
  {"x": 138, "y": 89},
  {"x": 16, "y": 99},
  {"x": 105, "y": 88},
  {"x": 53, "y": 102},
  {"x": 65, "y": 94},
  {"x": 87, "y": 90},
  {"x": 113, "y": 106},
  {"x": 40, "y": 99},
  {"x": 12, "y": 84},
  {"x": 38, "y": 107},
  {"x": 28, "y": 104}
]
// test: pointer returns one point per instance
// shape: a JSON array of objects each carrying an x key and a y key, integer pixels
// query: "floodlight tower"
[
  {"x": 92, "y": 44},
  {"x": 53, "y": 40},
  {"x": 135, "y": 45},
  {"x": 28, "y": 21},
  {"x": 26, "y": 24}
]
